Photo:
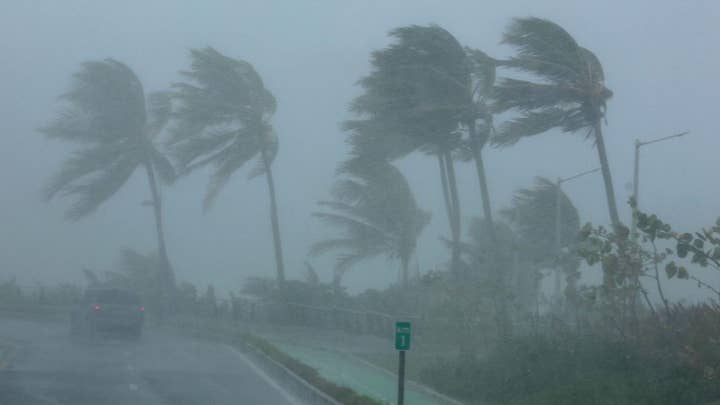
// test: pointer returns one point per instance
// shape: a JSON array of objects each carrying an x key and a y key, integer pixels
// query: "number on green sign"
[{"x": 402, "y": 335}]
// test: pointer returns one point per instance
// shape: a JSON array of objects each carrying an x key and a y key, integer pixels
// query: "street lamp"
[
  {"x": 558, "y": 222},
  {"x": 636, "y": 177}
]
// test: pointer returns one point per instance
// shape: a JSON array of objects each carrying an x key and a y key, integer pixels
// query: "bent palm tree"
[
  {"x": 412, "y": 102},
  {"x": 571, "y": 96},
  {"x": 535, "y": 216},
  {"x": 106, "y": 112},
  {"x": 376, "y": 213},
  {"x": 223, "y": 120}
]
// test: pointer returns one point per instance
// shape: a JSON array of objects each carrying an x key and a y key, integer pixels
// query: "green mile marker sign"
[{"x": 402, "y": 335}]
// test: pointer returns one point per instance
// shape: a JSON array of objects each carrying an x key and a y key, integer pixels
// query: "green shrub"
[{"x": 581, "y": 369}]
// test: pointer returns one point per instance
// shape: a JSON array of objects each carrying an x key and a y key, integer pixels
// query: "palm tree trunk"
[
  {"x": 445, "y": 189},
  {"x": 607, "y": 178},
  {"x": 274, "y": 220},
  {"x": 166, "y": 268},
  {"x": 450, "y": 209},
  {"x": 480, "y": 168},
  {"x": 455, "y": 202},
  {"x": 405, "y": 265}
]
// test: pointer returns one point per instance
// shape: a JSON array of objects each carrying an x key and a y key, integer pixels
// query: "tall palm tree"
[
  {"x": 376, "y": 214},
  {"x": 570, "y": 95},
  {"x": 223, "y": 119},
  {"x": 413, "y": 100},
  {"x": 106, "y": 112},
  {"x": 534, "y": 216}
]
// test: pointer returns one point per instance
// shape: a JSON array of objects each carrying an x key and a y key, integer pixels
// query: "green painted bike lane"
[{"x": 346, "y": 371}]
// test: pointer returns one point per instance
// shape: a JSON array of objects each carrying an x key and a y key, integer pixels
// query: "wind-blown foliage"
[
  {"x": 570, "y": 94},
  {"x": 223, "y": 120},
  {"x": 533, "y": 215},
  {"x": 414, "y": 99},
  {"x": 375, "y": 213},
  {"x": 106, "y": 113}
]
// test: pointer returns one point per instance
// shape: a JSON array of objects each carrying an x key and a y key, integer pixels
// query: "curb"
[
  {"x": 410, "y": 383},
  {"x": 296, "y": 384},
  {"x": 415, "y": 385}
]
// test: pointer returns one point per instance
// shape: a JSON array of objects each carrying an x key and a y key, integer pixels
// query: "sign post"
[{"x": 402, "y": 344}]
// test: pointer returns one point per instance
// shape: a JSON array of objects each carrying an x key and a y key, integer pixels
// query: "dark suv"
[{"x": 108, "y": 310}]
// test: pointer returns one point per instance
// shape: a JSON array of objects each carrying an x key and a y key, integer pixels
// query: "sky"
[{"x": 660, "y": 58}]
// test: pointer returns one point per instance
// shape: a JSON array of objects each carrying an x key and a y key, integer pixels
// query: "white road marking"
[{"x": 265, "y": 377}]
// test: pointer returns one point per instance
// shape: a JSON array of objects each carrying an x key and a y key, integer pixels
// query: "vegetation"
[
  {"x": 341, "y": 394},
  {"x": 571, "y": 94},
  {"x": 377, "y": 214},
  {"x": 106, "y": 112},
  {"x": 622, "y": 341},
  {"x": 223, "y": 120}
]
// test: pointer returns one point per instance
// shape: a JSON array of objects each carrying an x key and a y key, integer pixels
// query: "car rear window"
[{"x": 112, "y": 297}]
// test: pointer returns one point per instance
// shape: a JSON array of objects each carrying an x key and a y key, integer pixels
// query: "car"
[{"x": 108, "y": 310}]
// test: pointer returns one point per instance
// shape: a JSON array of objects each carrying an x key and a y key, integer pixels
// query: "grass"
[{"x": 341, "y": 394}]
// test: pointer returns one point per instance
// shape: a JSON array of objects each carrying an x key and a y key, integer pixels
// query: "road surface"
[{"x": 49, "y": 368}]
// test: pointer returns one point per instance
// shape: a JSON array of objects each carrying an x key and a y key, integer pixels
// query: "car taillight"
[
  {"x": 142, "y": 308},
  {"x": 96, "y": 307}
]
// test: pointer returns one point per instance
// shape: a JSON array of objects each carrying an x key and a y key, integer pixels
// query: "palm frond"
[
  {"x": 159, "y": 111},
  {"x": 222, "y": 118},
  {"x": 97, "y": 189},
  {"x": 484, "y": 70},
  {"x": 533, "y": 214},
  {"x": 85, "y": 162},
  {"x": 544, "y": 49},
  {"x": 267, "y": 155},
  {"x": 529, "y": 124},
  {"x": 112, "y": 97},
  {"x": 523, "y": 96},
  {"x": 227, "y": 162}
]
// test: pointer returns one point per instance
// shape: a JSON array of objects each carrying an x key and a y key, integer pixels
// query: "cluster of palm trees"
[
  {"x": 219, "y": 116},
  {"x": 426, "y": 93}
]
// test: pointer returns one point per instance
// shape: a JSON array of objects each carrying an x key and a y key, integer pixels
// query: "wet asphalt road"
[{"x": 50, "y": 368}]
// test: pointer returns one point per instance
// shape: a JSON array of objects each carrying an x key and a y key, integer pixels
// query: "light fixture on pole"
[
  {"x": 558, "y": 223},
  {"x": 636, "y": 178}
]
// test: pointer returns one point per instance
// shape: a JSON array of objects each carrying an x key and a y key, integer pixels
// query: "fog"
[{"x": 660, "y": 59}]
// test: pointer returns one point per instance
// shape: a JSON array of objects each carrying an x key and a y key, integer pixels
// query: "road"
[{"x": 50, "y": 368}]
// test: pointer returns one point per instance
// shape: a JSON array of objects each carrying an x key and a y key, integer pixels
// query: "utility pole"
[
  {"x": 558, "y": 227},
  {"x": 636, "y": 178}
]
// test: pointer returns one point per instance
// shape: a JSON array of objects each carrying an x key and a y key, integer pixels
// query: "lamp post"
[
  {"x": 558, "y": 224},
  {"x": 636, "y": 178}
]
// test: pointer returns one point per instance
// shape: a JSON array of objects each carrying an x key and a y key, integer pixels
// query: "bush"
[{"x": 577, "y": 369}]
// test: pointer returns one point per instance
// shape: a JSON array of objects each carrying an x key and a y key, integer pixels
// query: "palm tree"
[
  {"x": 571, "y": 94},
  {"x": 106, "y": 112},
  {"x": 376, "y": 214},
  {"x": 534, "y": 216},
  {"x": 223, "y": 120},
  {"x": 414, "y": 99}
]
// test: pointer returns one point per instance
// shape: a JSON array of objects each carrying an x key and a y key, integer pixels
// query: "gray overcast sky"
[{"x": 661, "y": 60}]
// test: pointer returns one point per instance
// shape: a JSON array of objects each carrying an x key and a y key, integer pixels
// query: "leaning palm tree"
[
  {"x": 547, "y": 224},
  {"x": 570, "y": 95},
  {"x": 375, "y": 213},
  {"x": 413, "y": 100},
  {"x": 223, "y": 119},
  {"x": 106, "y": 112}
]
